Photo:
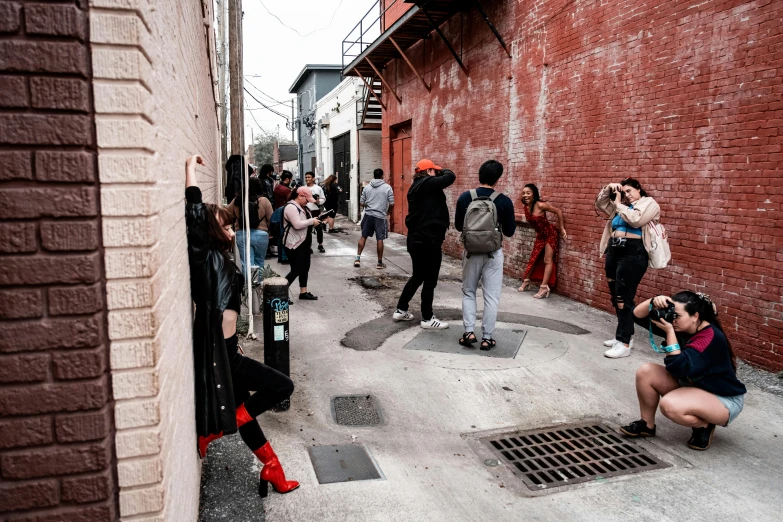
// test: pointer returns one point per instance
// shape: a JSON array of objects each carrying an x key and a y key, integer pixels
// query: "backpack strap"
[
  {"x": 473, "y": 194},
  {"x": 494, "y": 195}
]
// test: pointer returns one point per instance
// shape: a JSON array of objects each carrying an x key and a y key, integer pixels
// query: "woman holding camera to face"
[
  {"x": 625, "y": 241},
  {"x": 697, "y": 385}
]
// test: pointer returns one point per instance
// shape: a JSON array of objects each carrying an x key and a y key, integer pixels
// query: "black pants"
[
  {"x": 270, "y": 386},
  {"x": 319, "y": 230},
  {"x": 625, "y": 267},
  {"x": 299, "y": 259},
  {"x": 426, "y": 258}
]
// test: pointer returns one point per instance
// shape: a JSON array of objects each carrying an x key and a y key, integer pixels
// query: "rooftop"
[{"x": 311, "y": 67}]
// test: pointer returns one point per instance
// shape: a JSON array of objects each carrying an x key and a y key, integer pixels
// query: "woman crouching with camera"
[
  {"x": 625, "y": 241},
  {"x": 224, "y": 376},
  {"x": 697, "y": 384}
]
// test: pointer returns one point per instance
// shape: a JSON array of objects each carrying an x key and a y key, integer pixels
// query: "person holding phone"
[
  {"x": 697, "y": 384},
  {"x": 297, "y": 238},
  {"x": 332, "y": 200}
]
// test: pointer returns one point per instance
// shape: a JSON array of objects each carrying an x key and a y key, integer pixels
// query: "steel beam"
[
  {"x": 383, "y": 80},
  {"x": 492, "y": 26},
  {"x": 405, "y": 57},
  {"x": 443, "y": 37}
]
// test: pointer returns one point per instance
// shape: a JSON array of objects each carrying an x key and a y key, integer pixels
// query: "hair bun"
[{"x": 706, "y": 298}]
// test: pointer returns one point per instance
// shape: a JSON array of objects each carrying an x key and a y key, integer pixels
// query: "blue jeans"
[{"x": 259, "y": 242}]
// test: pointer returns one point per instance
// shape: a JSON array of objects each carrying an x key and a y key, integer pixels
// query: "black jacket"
[
  {"x": 213, "y": 281},
  {"x": 268, "y": 188},
  {"x": 428, "y": 214}
]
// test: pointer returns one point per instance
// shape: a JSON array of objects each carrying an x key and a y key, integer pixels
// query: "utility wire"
[
  {"x": 265, "y": 94},
  {"x": 294, "y": 30},
  {"x": 266, "y": 106}
]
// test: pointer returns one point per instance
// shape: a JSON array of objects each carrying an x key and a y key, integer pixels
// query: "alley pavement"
[{"x": 438, "y": 402}]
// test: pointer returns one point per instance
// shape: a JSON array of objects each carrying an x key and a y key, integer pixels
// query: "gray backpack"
[{"x": 481, "y": 231}]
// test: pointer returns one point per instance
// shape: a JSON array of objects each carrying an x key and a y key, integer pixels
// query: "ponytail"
[{"x": 697, "y": 302}]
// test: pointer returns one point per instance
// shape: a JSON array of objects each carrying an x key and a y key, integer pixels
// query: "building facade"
[
  {"x": 101, "y": 107},
  {"x": 684, "y": 96},
  {"x": 312, "y": 83},
  {"x": 345, "y": 144}
]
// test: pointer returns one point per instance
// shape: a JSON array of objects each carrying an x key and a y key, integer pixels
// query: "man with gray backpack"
[{"x": 483, "y": 217}]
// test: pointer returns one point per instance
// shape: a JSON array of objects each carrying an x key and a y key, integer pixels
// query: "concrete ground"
[{"x": 436, "y": 406}]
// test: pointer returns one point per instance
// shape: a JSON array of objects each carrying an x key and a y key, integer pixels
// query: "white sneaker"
[
  {"x": 618, "y": 350},
  {"x": 400, "y": 315},
  {"x": 610, "y": 343},
  {"x": 434, "y": 324}
]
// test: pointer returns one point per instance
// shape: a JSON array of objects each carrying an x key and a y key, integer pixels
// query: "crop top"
[{"x": 619, "y": 224}]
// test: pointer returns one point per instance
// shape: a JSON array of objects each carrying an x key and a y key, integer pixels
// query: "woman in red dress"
[{"x": 547, "y": 238}]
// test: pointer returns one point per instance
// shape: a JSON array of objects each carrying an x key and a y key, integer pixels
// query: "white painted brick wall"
[
  {"x": 369, "y": 154},
  {"x": 155, "y": 106}
]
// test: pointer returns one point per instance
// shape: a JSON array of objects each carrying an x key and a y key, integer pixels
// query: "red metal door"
[{"x": 401, "y": 181}]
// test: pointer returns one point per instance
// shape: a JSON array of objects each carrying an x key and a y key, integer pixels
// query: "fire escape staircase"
[{"x": 369, "y": 110}]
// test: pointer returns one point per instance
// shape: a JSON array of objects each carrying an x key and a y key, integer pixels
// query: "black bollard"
[{"x": 275, "y": 316}]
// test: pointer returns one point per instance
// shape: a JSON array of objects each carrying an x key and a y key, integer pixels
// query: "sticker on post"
[
  {"x": 280, "y": 333},
  {"x": 280, "y": 308}
]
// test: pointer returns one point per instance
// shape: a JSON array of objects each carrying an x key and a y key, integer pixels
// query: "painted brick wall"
[
  {"x": 156, "y": 106},
  {"x": 56, "y": 451},
  {"x": 369, "y": 154},
  {"x": 685, "y": 96},
  {"x": 392, "y": 10}
]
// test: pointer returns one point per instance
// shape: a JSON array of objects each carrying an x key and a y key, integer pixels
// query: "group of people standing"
[{"x": 696, "y": 386}]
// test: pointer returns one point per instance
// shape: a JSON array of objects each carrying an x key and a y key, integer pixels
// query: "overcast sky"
[{"x": 274, "y": 55}]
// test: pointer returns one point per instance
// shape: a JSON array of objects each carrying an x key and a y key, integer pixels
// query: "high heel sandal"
[
  {"x": 467, "y": 339},
  {"x": 272, "y": 472},
  {"x": 525, "y": 284},
  {"x": 543, "y": 292}
]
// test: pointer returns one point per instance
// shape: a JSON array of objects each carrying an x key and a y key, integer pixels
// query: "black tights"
[
  {"x": 300, "y": 264},
  {"x": 625, "y": 267},
  {"x": 270, "y": 386}
]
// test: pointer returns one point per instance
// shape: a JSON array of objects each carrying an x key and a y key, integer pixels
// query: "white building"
[{"x": 348, "y": 140}]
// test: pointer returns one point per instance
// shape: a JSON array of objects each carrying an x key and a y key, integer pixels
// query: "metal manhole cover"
[
  {"x": 345, "y": 463},
  {"x": 568, "y": 455},
  {"x": 355, "y": 410}
]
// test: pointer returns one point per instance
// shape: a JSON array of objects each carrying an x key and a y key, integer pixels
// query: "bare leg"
[
  {"x": 379, "y": 246},
  {"x": 694, "y": 408},
  {"x": 229, "y": 323},
  {"x": 362, "y": 242},
  {"x": 652, "y": 382},
  {"x": 549, "y": 265}
]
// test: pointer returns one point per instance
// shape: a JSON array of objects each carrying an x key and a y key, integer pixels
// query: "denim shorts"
[{"x": 734, "y": 404}]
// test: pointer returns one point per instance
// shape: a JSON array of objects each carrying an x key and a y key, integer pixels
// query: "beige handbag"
[{"x": 659, "y": 253}]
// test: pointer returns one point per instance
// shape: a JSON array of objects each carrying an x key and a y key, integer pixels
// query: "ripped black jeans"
[{"x": 625, "y": 266}]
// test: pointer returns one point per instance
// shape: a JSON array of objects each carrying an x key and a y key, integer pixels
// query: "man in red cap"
[{"x": 427, "y": 222}]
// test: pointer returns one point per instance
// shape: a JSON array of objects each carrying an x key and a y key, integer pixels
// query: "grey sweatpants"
[{"x": 489, "y": 271}]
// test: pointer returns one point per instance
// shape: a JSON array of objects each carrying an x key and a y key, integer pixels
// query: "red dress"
[{"x": 546, "y": 234}]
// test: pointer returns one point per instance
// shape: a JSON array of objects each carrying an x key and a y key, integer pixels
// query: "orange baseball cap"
[{"x": 426, "y": 164}]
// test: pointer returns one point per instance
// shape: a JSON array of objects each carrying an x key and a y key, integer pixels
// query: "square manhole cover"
[
  {"x": 447, "y": 341},
  {"x": 344, "y": 463},
  {"x": 568, "y": 455},
  {"x": 355, "y": 410}
]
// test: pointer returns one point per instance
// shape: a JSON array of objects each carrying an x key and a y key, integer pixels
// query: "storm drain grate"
[
  {"x": 355, "y": 410},
  {"x": 568, "y": 455}
]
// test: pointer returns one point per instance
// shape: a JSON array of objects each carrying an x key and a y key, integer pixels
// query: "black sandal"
[
  {"x": 468, "y": 338},
  {"x": 487, "y": 344}
]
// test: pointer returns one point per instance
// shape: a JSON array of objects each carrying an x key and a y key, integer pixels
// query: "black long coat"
[{"x": 213, "y": 280}]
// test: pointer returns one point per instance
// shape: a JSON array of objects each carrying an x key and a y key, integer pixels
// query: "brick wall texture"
[
  {"x": 56, "y": 413},
  {"x": 686, "y": 96},
  {"x": 155, "y": 106}
]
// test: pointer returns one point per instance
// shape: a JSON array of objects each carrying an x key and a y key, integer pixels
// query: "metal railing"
[{"x": 369, "y": 28}]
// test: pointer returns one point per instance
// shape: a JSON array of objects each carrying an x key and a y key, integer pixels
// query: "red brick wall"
[
  {"x": 392, "y": 11},
  {"x": 56, "y": 447},
  {"x": 685, "y": 96}
]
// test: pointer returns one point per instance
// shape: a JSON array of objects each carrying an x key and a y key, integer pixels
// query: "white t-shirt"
[{"x": 318, "y": 194}]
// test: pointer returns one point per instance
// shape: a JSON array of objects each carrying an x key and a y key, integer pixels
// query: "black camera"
[{"x": 666, "y": 314}]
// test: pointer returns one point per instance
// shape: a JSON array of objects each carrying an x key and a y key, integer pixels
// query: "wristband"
[{"x": 670, "y": 348}]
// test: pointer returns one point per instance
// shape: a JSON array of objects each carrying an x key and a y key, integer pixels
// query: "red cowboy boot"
[
  {"x": 272, "y": 472},
  {"x": 203, "y": 442}
]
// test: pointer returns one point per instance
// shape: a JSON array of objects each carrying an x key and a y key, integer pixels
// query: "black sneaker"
[
  {"x": 307, "y": 296},
  {"x": 638, "y": 429},
  {"x": 321, "y": 249},
  {"x": 701, "y": 438}
]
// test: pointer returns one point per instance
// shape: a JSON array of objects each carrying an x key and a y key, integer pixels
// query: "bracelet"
[{"x": 671, "y": 348}]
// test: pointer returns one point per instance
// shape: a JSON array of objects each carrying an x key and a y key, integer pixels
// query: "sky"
[{"x": 275, "y": 55}]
